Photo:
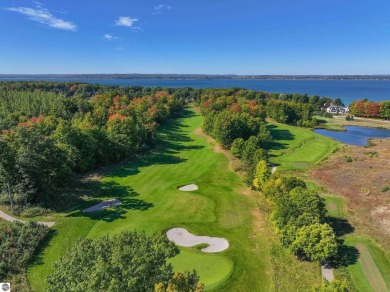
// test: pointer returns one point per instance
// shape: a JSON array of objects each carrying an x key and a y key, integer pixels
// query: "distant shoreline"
[{"x": 196, "y": 77}]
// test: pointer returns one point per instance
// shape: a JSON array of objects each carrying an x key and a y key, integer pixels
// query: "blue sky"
[{"x": 195, "y": 36}]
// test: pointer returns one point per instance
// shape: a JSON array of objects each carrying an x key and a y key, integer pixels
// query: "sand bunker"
[
  {"x": 188, "y": 188},
  {"x": 182, "y": 237},
  {"x": 103, "y": 205}
]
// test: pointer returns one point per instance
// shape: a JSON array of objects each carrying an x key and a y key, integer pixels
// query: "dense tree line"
[
  {"x": 85, "y": 90},
  {"x": 227, "y": 118},
  {"x": 298, "y": 215},
  {"x": 370, "y": 109},
  {"x": 18, "y": 241},
  {"x": 47, "y": 137},
  {"x": 130, "y": 261},
  {"x": 293, "y": 113}
]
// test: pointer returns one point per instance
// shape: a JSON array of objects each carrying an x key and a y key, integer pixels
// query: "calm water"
[
  {"x": 347, "y": 90},
  {"x": 355, "y": 135}
]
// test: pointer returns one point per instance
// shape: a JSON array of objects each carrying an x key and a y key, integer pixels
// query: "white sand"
[
  {"x": 188, "y": 188},
  {"x": 102, "y": 205},
  {"x": 7, "y": 217},
  {"x": 182, "y": 237}
]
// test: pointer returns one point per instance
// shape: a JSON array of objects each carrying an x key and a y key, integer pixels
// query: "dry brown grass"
[{"x": 362, "y": 183}]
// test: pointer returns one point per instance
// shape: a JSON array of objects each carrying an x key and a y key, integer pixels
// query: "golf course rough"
[{"x": 182, "y": 237}]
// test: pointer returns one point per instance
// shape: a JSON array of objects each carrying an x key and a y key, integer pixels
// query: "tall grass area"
[{"x": 147, "y": 187}]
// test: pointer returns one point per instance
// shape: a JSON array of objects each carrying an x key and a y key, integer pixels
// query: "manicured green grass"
[
  {"x": 213, "y": 269},
  {"x": 62, "y": 235},
  {"x": 147, "y": 187},
  {"x": 335, "y": 206},
  {"x": 373, "y": 264},
  {"x": 298, "y": 148}
]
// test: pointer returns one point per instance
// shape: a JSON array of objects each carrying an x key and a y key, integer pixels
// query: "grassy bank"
[{"x": 337, "y": 123}]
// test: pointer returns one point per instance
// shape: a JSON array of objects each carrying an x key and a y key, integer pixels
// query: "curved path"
[{"x": 8, "y": 217}]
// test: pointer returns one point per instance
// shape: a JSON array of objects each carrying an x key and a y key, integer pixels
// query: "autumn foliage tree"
[{"x": 49, "y": 137}]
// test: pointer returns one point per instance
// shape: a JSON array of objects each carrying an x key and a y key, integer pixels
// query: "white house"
[{"x": 335, "y": 109}]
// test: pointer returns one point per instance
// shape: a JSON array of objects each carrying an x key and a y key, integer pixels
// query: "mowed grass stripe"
[
  {"x": 359, "y": 274},
  {"x": 370, "y": 269}
]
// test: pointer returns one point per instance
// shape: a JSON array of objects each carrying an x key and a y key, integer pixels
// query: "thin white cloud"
[
  {"x": 43, "y": 15},
  {"x": 125, "y": 21},
  {"x": 110, "y": 37},
  {"x": 158, "y": 9},
  {"x": 137, "y": 28}
]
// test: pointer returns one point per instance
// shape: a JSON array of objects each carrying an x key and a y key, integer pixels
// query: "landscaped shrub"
[{"x": 34, "y": 211}]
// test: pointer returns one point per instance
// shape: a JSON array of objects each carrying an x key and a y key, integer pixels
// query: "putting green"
[
  {"x": 213, "y": 270},
  {"x": 297, "y": 148},
  {"x": 147, "y": 187}
]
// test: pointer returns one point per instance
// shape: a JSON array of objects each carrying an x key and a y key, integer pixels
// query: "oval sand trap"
[
  {"x": 182, "y": 237},
  {"x": 188, "y": 188}
]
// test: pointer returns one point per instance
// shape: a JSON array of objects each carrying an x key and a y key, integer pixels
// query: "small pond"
[{"x": 355, "y": 135}]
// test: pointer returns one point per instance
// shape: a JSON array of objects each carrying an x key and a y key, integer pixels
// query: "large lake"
[
  {"x": 347, "y": 90},
  {"x": 355, "y": 135}
]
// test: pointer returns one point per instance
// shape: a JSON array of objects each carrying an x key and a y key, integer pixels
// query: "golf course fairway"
[{"x": 147, "y": 188}]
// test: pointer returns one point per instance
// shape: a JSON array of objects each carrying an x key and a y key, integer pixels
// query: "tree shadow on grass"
[
  {"x": 37, "y": 258},
  {"x": 278, "y": 135},
  {"x": 340, "y": 226},
  {"x": 171, "y": 141},
  {"x": 152, "y": 158},
  {"x": 346, "y": 255},
  {"x": 110, "y": 189}
]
